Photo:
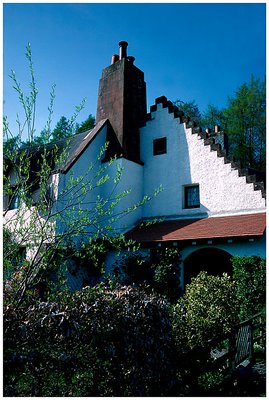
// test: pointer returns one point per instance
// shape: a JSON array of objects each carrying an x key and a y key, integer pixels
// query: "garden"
[{"x": 133, "y": 334}]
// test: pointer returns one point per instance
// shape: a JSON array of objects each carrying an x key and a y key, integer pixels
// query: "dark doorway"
[{"x": 213, "y": 261}]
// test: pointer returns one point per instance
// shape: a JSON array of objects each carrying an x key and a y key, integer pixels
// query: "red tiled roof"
[{"x": 206, "y": 228}]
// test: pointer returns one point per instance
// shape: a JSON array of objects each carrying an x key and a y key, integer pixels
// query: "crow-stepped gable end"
[{"x": 122, "y": 99}]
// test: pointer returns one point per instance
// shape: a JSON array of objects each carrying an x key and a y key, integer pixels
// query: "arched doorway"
[{"x": 213, "y": 261}]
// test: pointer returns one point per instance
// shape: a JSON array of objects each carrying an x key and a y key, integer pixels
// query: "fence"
[{"x": 228, "y": 352}]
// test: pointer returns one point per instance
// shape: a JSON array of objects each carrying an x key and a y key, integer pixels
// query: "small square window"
[
  {"x": 159, "y": 146},
  {"x": 192, "y": 196}
]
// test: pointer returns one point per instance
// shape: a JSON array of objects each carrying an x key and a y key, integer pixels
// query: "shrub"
[
  {"x": 133, "y": 269},
  {"x": 167, "y": 273},
  {"x": 161, "y": 271},
  {"x": 249, "y": 274},
  {"x": 101, "y": 341},
  {"x": 209, "y": 308}
]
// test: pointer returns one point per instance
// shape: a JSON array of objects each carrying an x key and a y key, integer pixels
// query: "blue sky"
[{"x": 200, "y": 52}]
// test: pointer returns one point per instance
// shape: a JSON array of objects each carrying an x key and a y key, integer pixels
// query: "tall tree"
[
  {"x": 190, "y": 109},
  {"x": 62, "y": 129},
  {"x": 211, "y": 117},
  {"x": 245, "y": 124},
  {"x": 87, "y": 124}
]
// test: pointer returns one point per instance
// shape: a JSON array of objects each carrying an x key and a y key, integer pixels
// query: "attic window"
[
  {"x": 159, "y": 146},
  {"x": 191, "y": 196}
]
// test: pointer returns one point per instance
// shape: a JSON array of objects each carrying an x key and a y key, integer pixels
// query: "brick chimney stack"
[{"x": 122, "y": 99}]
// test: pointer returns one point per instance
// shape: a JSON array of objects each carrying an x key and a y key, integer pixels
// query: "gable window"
[
  {"x": 159, "y": 146},
  {"x": 191, "y": 196}
]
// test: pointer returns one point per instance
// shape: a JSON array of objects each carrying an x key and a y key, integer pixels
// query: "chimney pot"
[
  {"x": 131, "y": 59},
  {"x": 123, "y": 49},
  {"x": 115, "y": 58}
]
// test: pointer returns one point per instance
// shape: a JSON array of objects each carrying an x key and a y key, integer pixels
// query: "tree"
[
  {"x": 245, "y": 124},
  {"x": 50, "y": 219},
  {"x": 190, "y": 109},
  {"x": 211, "y": 117},
  {"x": 249, "y": 274},
  {"x": 63, "y": 129},
  {"x": 86, "y": 125}
]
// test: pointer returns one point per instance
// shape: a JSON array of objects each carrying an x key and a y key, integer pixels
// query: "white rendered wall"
[
  {"x": 130, "y": 182},
  {"x": 131, "y": 179},
  {"x": 84, "y": 169},
  {"x": 189, "y": 161}
]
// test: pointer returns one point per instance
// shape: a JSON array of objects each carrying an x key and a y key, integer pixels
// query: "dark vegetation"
[{"x": 127, "y": 336}]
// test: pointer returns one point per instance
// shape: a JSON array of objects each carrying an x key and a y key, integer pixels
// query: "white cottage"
[{"x": 209, "y": 207}]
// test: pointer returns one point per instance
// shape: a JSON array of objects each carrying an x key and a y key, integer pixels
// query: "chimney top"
[
  {"x": 131, "y": 59},
  {"x": 115, "y": 58},
  {"x": 123, "y": 49}
]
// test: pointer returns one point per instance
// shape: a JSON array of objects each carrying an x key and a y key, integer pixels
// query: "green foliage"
[
  {"x": 209, "y": 308},
  {"x": 86, "y": 125},
  {"x": 245, "y": 124},
  {"x": 10, "y": 144},
  {"x": 211, "y": 117},
  {"x": 249, "y": 274},
  {"x": 12, "y": 258},
  {"x": 98, "y": 342},
  {"x": 63, "y": 129},
  {"x": 243, "y": 120},
  {"x": 190, "y": 109},
  {"x": 210, "y": 380},
  {"x": 167, "y": 273},
  {"x": 160, "y": 270},
  {"x": 133, "y": 269}
]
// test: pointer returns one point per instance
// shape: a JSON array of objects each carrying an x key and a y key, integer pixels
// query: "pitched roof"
[
  {"x": 248, "y": 225},
  {"x": 78, "y": 143}
]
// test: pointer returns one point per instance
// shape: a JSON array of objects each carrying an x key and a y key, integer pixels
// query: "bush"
[
  {"x": 167, "y": 273},
  {"x": 249, "y": 274},
  {"x": 161, "y": 271},
  {"x": 209, "y": 308},
  {"x": 97, "y": 342}
]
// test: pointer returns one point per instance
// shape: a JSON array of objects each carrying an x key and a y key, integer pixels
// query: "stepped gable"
[{"x": 209, "y": 139}]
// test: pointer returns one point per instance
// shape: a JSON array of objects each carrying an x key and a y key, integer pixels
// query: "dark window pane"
[
  {"x": 159, "y": 146},
  {"x": 192, "y": 197}
]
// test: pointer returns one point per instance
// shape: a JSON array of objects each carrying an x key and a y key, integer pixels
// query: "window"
[
  {"x": 159, "y": 146},
  {"x": 192, "y": 196}
]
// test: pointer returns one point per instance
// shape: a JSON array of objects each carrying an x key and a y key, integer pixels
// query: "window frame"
[{"x": 187, "y": 203}]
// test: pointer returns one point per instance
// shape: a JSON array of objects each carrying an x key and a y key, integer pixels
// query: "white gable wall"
[
  {"x": 131, "y": 178},
  {"x": 189, "y": 161},
  {"x": 130, "y": 181},
  {"x": 84, "y": 169}
]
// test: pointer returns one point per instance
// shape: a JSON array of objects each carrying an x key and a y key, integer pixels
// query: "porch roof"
[{"x": 248, "y": 225}]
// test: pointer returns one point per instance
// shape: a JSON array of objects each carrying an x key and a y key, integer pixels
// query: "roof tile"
[{"x": 206, "y": 228}]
